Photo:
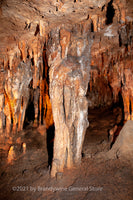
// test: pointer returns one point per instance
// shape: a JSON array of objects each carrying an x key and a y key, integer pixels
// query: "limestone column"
[
  {"x": 69, "y": 77},
  {"x": 70, "y": 108}
]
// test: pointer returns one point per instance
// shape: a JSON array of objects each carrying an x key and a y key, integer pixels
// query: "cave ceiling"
[{"x": 19, "y": 19}]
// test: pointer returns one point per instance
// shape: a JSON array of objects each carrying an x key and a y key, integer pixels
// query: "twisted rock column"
[{"x": 69, "y": 79}]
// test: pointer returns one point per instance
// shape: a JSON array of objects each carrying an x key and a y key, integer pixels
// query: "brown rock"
[
  {"x": 64, "y": 41},
  {"x": 53, "y": 43},
  {"x": 123, "y": 147}
]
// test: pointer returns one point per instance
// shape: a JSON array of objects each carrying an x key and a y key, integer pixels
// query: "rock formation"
[
  {"x": 123, "y": 146},
  {"x": 68, "y": 86},
  {"x": 54, "y": 54}
]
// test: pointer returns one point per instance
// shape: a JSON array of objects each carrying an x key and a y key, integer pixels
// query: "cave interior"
[{"x": 66, "y": 94}]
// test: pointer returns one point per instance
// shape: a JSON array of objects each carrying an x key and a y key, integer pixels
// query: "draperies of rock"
[
  {"x": 112, "y": 43},
  {"x": 17, "y": 95},
  {"x": 23, "y": 68},
  {"x": 111, "y": 63},
  {"x": 66, "y": 28}
]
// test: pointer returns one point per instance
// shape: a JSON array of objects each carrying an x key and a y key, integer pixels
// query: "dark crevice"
[
  {"x": 37, "y": 30},
  {"x": 50, "y": 144},
  {"x": 120, "y": 41},
  {"x": 64, "y": 103},
  {"x": 103, "y": 8},
  {"x": 92, "y": 27},
  {"x": 110, "y": 13},
  {"x": 130, "y": 107},
  {"x": 45, "y": 65},
  {"x": 30, "y": 112},
  {"x": 27, "y": 26},
  {"x": 32, "y": 61},
  {"x": 87, "y": 17}
]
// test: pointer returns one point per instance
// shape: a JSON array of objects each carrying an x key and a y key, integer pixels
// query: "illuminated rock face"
[
  {"x": 55, "y": 53},
  {"x": 23, "y": 79},
  {"x": 69, "y": 77},
  {"x": 17, "y": 94}
]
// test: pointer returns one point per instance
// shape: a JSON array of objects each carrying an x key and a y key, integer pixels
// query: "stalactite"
[
  {"x": 55, "y": 51},
  {"x": 95, "y": 23},
  {"x": 8, "y": 114},
  {"x": 23, "y": 49}
]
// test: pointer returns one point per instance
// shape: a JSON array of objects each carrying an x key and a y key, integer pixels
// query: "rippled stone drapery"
[{"x": 69, "y": 77}]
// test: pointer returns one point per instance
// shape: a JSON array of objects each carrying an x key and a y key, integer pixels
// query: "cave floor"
[{"x": 27, "y": 177}]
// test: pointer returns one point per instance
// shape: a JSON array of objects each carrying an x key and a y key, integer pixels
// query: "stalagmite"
[
  {"x": 56, "y": 59},
  {"x": 11, "y": 155},
  {"x": 68, "y": 87},
  {"x": 24, "y": 148}
]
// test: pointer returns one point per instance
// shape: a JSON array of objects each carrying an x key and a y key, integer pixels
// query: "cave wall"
[
  {"x": 112, "y": 66},
  {"x": 64, "y": 56},
  {"x": 24, "y": 78}
]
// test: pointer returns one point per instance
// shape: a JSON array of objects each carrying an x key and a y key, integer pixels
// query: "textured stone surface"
[
  {"x": 74, "y": 45},
  {"x": 123, "y": 147},
  {"x": 68, "y": 86},
  {"x": 17, "y": 94}
]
